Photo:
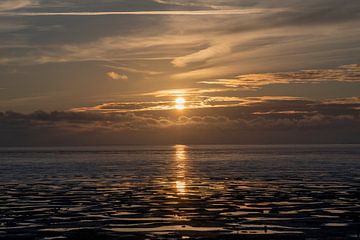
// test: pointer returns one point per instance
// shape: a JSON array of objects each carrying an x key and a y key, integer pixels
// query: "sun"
[
  {"x": 180, "y": 100},
  {"x": 180, "y": 103}
]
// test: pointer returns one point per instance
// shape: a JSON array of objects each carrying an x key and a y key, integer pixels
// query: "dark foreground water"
[{"x": 181, "y": 192}]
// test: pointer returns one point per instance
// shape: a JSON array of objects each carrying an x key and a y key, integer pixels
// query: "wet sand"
[{"x": 181, "y": 193}]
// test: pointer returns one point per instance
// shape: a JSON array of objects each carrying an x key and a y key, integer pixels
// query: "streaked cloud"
[
  {"x": 166, "y": 103},
  {"x": 118, "y": 48},
  {"x": 345, "y": 73},
  {"x": 202, "y": 55},
  {"x": 173, "y": 12},
  {"x": 185, "y": 92},
  {"x": 134, "y": 70},
  {"x": 9, "y": 5}
]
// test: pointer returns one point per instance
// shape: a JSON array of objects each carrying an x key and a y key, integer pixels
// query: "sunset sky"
[{"x": 179, "y": 71}]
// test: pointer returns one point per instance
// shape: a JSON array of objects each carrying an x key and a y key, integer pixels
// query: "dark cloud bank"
[{"x": 269, "y": 122}]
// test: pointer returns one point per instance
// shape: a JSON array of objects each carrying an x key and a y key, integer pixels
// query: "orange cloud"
[
  {"x": 202, "y": 55},
  {"x": 117, "y": 76},
  {"x": 344, "y": 73}
]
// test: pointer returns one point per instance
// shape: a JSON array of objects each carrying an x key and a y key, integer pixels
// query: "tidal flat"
[{"x": 181, "y": 192}]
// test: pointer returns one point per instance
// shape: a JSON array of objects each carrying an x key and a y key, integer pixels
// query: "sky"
[{"x": 248, "y": 72}]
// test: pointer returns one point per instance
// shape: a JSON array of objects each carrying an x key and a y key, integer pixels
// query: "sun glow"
[{"x": 180, "y": 103}]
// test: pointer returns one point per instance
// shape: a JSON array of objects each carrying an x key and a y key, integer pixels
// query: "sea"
[{"x": 180, "y": 192}]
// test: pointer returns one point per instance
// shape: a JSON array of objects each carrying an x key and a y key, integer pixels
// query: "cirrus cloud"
[
  {"x": 344, "y": 73},
  {"x": 9, "y": 5}
]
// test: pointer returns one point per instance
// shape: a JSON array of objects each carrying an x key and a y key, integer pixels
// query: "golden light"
[
  {"x": 180, "y": 103},
  {"x": 180, "y": 100},
  {"x": 181, "y": 187},
  {"x": 181, "y": 165}
]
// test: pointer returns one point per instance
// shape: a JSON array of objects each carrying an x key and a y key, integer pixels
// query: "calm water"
[{"x": 180, "y": 192}]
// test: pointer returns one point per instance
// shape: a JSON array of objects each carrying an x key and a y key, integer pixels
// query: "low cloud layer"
[{"x": 266, "y": 120}]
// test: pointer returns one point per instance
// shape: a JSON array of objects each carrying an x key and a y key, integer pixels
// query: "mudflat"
[{"x": 181, "y": 192}]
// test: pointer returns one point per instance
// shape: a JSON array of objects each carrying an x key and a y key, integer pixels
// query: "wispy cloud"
[
  {"x": 185, "y": 92},
  {"x": 164, "y": 12},
  {"x": 345, "y": 73},
  {"x": 8, "y": 5},
  {"x": 133, "y": 70},
  {"x": 203, "y": 55},
  {"x": 197, "y": 101},
  {"x": 107, "y": 49}
]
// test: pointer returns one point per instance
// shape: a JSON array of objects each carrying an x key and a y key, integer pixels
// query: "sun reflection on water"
[
  {"x": 181, "y": 165},
  {"x": 181, "y": 187}
]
